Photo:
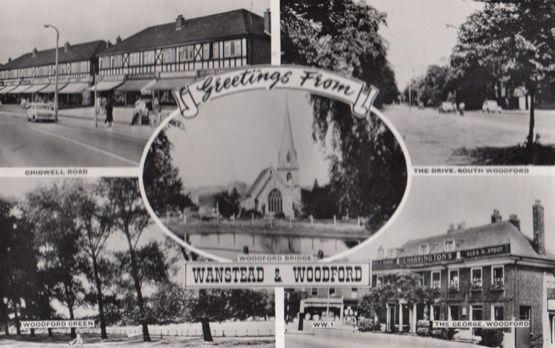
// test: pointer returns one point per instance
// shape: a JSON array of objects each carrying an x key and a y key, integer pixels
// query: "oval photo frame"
[{"x": 310, "y": 80}]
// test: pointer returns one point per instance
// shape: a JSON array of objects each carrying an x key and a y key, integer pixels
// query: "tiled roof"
[
  {"x": 217, "y": 26},
  {"x": 478, "y": 237},
  {"x": 78, "y": 52}
]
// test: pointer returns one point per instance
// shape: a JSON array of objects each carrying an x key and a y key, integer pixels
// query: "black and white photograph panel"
[
  {"x": 89, "y": 90},
  {"x": 464, "y": 82},
  {"x": 462, "y": 249},
  {"x": 275, "y": 172},
  {"x": 81, "y": 263}
]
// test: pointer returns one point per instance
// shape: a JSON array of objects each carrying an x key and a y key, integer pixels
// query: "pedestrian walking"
[
  {"x": 462, "y": 105},
  {"x": 109, "y": 112}
]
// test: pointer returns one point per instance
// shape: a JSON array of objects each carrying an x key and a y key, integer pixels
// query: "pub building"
[
  {"x": 489, "y": 272},
  {"x": 32, "y": 75},
  {"x": 164, "y": 57}
]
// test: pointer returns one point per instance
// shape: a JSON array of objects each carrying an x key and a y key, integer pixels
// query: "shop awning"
[
  {"x": 105, "y": 86},
  {"x": 6, "y": 89},
  {"x": 19, "y": 89},
  {"x": 52, "y": 88},
  {"x": 135, "y": 85},
  {"x": 169, "y": 84},
  {"x": 73, "y": 88},
  {"x": 36, "y": 88}
]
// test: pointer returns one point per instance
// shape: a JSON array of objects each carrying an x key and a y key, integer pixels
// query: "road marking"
[{"x": 86, "y": 146}]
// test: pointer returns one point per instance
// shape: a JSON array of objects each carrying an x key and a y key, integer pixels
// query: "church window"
[
  {"x": 289, "y": 177},
  {"x": 288, "y": 157},
  {"x": 275, "y": 204}
]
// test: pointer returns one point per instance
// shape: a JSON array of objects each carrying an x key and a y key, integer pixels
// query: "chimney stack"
[
  {"x": 539, "y": 229},
  {"x": 179, "y": 22},
  {"x": 267, "y": 21},
  {"x": 513, "y": 219},
  {"x": 118, "y": 39},
  {"x": 9, "y": 59},
  {"x": 461, "y": 225},
  {"x": 35, "y": 52},
  {"x": 108, "y": 44},
  {"x": 66, "y": 46},
  {"x": 496, "y": 216},
  {"x": 451, "y": 228}
]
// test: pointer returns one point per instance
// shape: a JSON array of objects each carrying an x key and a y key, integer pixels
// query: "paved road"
[
  {"x": 433, "y": 138},
  {"x": 67, "y": 143},
  {"x": 367, "y": 340}
]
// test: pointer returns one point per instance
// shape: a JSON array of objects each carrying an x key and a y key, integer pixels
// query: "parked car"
[
  {"x": 446, "y": 106},
  {"x": 491, "y": 106},
  {"x": 41, "y": 112}
]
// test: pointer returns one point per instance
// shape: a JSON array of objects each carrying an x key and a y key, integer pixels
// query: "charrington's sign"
[{"x": 383, "y": 264}]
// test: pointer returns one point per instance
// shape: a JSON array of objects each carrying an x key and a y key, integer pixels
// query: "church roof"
[{"x": 257, "y": 182}]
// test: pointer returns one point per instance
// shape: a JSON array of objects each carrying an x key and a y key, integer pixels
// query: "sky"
[
  {"x": 82, "y": 21},
  {"x": 436, "y": 201},
  {"x": 219, "y": 146},
  {"x": 417, "y": 32}
]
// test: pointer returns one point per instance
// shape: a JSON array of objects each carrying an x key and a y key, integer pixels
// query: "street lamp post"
[{"x": 56, "y": 73}]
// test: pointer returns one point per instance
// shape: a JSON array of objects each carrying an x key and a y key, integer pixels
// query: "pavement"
[
  {"x": 433, "y": 138},
  {"x": 343, "y": 338},
  {"x": 72, "y": 142}
]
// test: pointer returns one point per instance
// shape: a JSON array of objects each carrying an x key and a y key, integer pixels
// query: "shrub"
[
  {"x": 365, "y": 325},
  {"x": 446, "y": 334},
  {"x": 490, "y": 337}
]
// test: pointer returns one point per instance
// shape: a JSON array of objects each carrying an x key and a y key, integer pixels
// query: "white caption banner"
[
  {"x": 321, "y": 82},
  {"x": 317, "y": 274}
]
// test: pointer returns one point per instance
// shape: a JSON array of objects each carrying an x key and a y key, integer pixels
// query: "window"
[
  {"x": 134, "y": 59},
  {"x": 436, "y": 279},
  {"x": 314, "y": 292},
  {"x": 497, "y": 277},
  {"x": 449, "y": 245},
  {"x": 476, "y": 278},
  {"x": 454, "y": 279},
  {"x": 424, "y": 249},
  {"x": 497, "y": 313},
  {"x": 354, "y": 292},
  {"x": 168, "y": 55},
  {"x": 525, "y": 312},
  {"x": 232, "y": 48},
  {"x": 116, "y": 61},
  {"x": 332, "y": 291},
  {"x": 205, "y": 51},
  {"x": 453, "y": 312},
  {"x": 289, "y": 177},
  {"x": 216, "y": 50},
  {"x": 421, "y": 279},
  {"x": 186, "y": 54},
  {"x": 275, "y": 202},
  {"x": 380, "y": 281},
  {"x": 148, "y": 57},
  {"x": 476, "y": 312}
]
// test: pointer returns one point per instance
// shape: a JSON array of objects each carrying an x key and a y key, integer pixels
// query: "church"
[{"x": 276, "y": 191}]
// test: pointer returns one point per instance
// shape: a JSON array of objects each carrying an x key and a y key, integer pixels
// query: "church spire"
[{"x": 287, "y": 156}]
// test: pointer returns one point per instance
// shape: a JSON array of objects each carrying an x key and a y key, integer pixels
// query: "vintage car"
[
  {"x": 491, "y": 106},
  {"x": 446, "y": 107},
  {"x": 40, "y": 112}
]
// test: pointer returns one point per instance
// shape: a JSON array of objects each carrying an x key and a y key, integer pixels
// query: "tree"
[
  {"x": 511, "y": 41},
  {"x": 131, "y": 218},
  {"x": 228, "y": 203},
  {"x": 163, "y": 186},
  {"x": 343, "y": 36},
  {"x": 52, "y": 212},
  {"x": 96, "y": 223},
  {"x": 404, "y": 286}
]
